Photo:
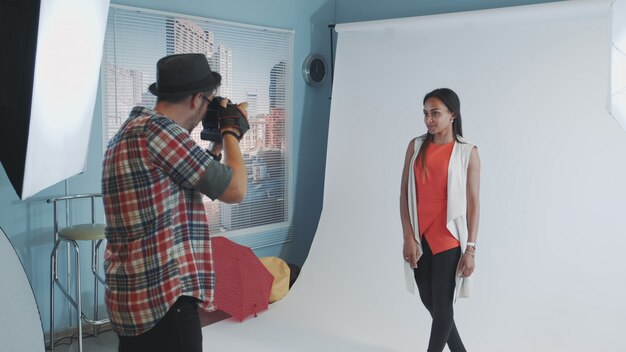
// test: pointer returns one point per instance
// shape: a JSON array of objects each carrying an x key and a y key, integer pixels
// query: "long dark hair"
[{"x": 449, "y": 98}]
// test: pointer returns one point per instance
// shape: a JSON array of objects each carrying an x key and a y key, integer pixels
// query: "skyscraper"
[
  {"x": 277, "y": 85},
  {"x": 124, "y": 90},
  {"x": 252, "y": 98},
  {"x": 222, "y": 62},
  {"x": 275, "y": 129},
  {"x": 185, "y": 36}
]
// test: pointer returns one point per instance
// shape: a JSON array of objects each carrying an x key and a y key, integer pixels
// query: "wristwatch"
[
  {"x": 471, "y": 244},
  {"x": 217, "y": 157}
]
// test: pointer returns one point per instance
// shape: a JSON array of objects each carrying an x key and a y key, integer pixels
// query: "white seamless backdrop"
[{"x": 533, "y": 84}]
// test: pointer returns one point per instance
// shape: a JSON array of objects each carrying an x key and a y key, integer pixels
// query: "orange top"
[{"x": 432, "y": 197}]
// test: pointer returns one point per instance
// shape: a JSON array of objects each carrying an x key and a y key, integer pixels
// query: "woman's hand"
[
  {"x": 466, "y": 265},
  {"x": 410, "y": 252}
]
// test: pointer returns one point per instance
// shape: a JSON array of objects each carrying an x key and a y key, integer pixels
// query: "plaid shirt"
[{"x": 158, "y": 245}]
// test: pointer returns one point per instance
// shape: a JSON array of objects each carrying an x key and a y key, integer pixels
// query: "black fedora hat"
[{"x": 182, "y": 74}]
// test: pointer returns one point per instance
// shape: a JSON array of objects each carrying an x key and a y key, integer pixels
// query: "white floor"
[
  {"x": 267, "y": 335},
  {"x": 104, "y": 342}
]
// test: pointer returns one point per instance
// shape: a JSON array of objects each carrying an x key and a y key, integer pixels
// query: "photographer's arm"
[
  {"x": 231, "y": 176},
  {"x": 237, "y": 188},
  {"x": 232, "y": 186}
]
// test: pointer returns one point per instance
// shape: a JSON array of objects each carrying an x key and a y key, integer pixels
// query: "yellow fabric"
[{"x": 280, "y": 271}]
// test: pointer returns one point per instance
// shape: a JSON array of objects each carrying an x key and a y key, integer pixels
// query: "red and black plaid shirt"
[{"x": 158, "y": 245}]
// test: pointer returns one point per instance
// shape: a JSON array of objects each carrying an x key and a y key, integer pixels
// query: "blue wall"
[{"x": 29, "y": 223}]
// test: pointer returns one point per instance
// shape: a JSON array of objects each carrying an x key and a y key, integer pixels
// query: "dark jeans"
[
  {"x": 435, "y": 278},
  {"x": 178, "y": 331}
]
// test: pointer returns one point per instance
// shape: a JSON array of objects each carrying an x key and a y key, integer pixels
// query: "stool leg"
[
  {"x": 53, "y": 276},
  {"x": 94, "y": 270},
  {"x": 68, "y": 279},
  {"x": 78, "y": 298}
]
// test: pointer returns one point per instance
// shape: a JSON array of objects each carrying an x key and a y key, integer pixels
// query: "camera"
[
  {"x": 218, "y": 117},
  {"x": 211, "y": 122}
]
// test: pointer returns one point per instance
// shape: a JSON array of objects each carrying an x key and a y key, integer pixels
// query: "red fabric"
[
  {"x": 242, "y": 283},
  {"x": 432, "y": 197}
]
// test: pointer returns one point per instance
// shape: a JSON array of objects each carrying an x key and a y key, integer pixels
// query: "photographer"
[{"x": 158, "y": 260}]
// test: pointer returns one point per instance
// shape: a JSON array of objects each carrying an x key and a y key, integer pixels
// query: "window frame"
[{"x": 261, "y": 235}]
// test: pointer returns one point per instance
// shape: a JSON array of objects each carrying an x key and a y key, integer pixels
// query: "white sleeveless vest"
[{"x": 457, "y": 205}]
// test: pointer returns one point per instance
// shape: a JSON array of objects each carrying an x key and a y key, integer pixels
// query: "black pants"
[
  {"x": 178, "y": 331},
  {"x": 435, "y": 278}
]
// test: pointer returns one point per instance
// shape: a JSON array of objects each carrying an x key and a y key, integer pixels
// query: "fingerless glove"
[{"x": 231, "y": 119}]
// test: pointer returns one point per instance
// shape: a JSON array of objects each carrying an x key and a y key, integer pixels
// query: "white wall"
[{"x": 533, "y": 87}]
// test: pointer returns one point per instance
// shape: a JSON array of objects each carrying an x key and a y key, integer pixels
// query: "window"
[{"x": 256, "y": 66}]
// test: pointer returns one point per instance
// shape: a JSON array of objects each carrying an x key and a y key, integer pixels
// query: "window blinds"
[{"x": 256, "y": 66}]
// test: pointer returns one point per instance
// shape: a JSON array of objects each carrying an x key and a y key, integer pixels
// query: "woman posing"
[{"x": 439, "y": 208}]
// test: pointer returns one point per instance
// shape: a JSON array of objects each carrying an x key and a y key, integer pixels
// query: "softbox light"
[
  {"x": 49, "y": 72},
  {"x": 617, "y": 100}
]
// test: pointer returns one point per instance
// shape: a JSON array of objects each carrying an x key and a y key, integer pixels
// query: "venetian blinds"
[{"x": 255, "y": 64}]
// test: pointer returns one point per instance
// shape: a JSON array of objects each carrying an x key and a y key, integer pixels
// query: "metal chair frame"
[{"x": 54, "y": 278}]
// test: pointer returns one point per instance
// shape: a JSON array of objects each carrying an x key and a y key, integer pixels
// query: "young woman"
[{"x": 439, "y": 208}]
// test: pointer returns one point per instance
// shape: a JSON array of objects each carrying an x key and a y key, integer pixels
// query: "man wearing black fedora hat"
[{"x": 158, "y": 262}]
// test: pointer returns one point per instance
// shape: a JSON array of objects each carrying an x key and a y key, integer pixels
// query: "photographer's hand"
[
  {"x": 243, "y": 107},
  {"x": 233, "y": 119}
]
